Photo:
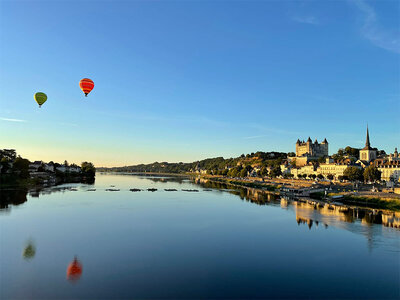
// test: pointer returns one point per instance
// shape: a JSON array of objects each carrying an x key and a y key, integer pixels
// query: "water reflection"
[
  {"x": 309, "y": 211},
  {"x": 74, "y": 270},
  {"x": 207, "y": 244},
  {"x": 29, "y": 251},
  {"x": 12, "y": 197}
]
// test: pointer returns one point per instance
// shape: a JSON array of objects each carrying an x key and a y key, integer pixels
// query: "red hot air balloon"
[
  {"x": 74, "y": 270},
  {"x": 86, "y": 85}
]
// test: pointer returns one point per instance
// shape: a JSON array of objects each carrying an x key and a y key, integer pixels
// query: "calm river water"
[{"x": 214, "y": 243}]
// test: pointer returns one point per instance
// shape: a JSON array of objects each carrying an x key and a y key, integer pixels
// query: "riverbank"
[{"x": 390, "y": 202}]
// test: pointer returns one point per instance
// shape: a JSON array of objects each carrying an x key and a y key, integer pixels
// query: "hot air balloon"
[
  {"x": 74, "y": 270},
  {"x": 40, "y": 98},
  {"x": 86, "y": 85}
]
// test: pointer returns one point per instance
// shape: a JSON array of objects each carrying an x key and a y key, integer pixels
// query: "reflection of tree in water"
[
  {"x": 252, "y": 195},
  {"x": 308, "y": 211},
  {"x": 12, "y": 197},
  {"x": 163, "y": 179},
  {"x": 29, "y": 251},
  {"x": 88, "y": 180}
]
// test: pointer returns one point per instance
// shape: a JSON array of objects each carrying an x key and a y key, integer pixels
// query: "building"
[
  {"x": 34, "y": 167},
  {"x": 367, "y": 154},
  {"x": 330, "y": 167},
  {"x": 308, "y": 169},
  {"x": 390, "y": 172},
  {"x": 309, "y": 151},
  {"x": 393, "y": 156}
]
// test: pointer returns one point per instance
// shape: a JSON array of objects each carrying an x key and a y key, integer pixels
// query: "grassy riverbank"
[{"x": 372, "y": 202}]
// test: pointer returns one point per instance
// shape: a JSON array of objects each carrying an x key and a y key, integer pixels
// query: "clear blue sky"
[{"x": 181, "y": 81}]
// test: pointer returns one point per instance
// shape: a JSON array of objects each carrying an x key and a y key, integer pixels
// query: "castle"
[{"x": 308, "y": 151}]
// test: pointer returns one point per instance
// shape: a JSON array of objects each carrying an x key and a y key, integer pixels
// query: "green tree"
[
  {"x": 275, "y": 171},
  {"x": 264, "y": 172},
  {"x": 371, "y": 173},
  {"x": 5, "y": 164},
  {"x": 88, "y": 169},
  {"x": 330, "y": 176},
  {"x": 353, "y": 173},
  {"x": 320, "y": 176},
  {"x": 243, "y": 172},
  {"x": 21, "y": 166},
  {"x": 233, "y": 172}
]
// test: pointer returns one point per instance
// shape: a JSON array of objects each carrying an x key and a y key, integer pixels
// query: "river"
[{"x": 87, "y": 241}]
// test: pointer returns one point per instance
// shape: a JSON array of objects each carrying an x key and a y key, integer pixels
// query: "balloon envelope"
[
  {"x": 40, "y": 98},
  {"x": 86, "y": 85}
]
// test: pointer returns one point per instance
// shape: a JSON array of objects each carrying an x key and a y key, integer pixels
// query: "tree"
[
  {"x": 371, "y": 173},
  {"x": 264, "y": 172},
  {"x": 352, "y": 151},
  {"x": 330, "y": 176},
  {"x": 243, "y": 172},
  {"x": 233, "y": 172},
  {"x": 9, "y": 154},
  {"x": 4, "y": 162},
  {"x": 353, "y": 173},
  {"x": 88, "y": 169},
  {"x": 21, "y": 166},
  {"x": 276, "y": 171},
  {"x": 293, "y": 162},
  {"x": 66, "y": 163},
  {"x": 320, "y": 176}
]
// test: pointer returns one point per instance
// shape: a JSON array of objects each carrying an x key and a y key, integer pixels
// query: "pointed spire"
[
  {"x": 309, "y": 140},
  {"x": 316, "y": 141},
  {"x": 298, "y": 141},
  {"x": 367, "y": 144}
]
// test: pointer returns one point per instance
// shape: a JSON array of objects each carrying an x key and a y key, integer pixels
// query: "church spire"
[{"x": 367, "y": 144}]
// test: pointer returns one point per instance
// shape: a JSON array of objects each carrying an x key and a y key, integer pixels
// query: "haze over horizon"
[{"x": 184, "y": 81}]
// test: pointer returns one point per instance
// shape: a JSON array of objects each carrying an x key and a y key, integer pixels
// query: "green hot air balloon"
[{"x": 40, "y": 98}]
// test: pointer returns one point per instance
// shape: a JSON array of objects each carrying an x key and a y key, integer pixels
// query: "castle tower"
[{"x": 367, "y": 153}]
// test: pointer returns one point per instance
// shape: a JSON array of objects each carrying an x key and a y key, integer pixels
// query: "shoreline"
[{"x": 373, "y": 202}]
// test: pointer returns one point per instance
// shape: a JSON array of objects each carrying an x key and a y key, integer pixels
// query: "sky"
[{"x": 187, "y": 80}]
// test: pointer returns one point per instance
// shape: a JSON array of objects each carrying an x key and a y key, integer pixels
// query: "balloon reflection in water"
[
  {"x": 74, "y": 270},
  {"x": 29, "y": 251}
]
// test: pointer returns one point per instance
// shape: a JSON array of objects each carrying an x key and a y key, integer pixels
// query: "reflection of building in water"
[
  {"x": 284, "y": 203},
  {"x": 391, "y": 220},
  {"x": 313, "y": 212}
]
